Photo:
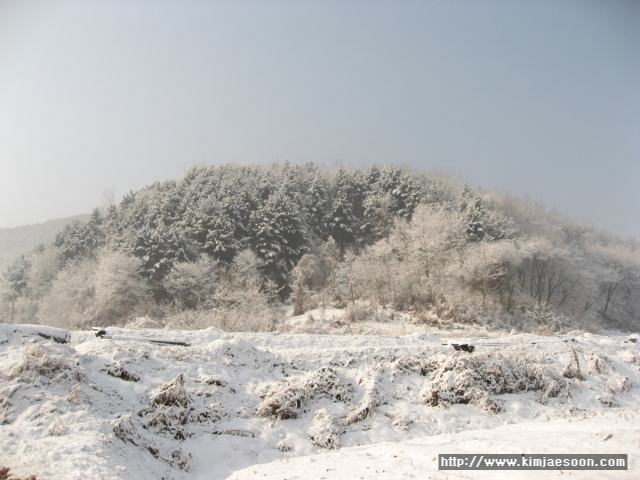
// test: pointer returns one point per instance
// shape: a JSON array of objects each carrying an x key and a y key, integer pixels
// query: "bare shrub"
[
  {"x": 191, "y": 320},
  {"x": 355, "y": 313},
  {"x": 7, "y": 412},
  {"x": 544, "y": 319},
  {"x": 166, "y": 418},
  {"x": 142, "y": 322},
  {"x": 237, "y": 318},
  {"x": 631, "y": 357},
  {"x": 7, "y": 393},
  {"x": 298, "y": 300}
]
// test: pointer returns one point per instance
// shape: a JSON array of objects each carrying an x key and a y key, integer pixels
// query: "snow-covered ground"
[{"x": 308, "y": 405}]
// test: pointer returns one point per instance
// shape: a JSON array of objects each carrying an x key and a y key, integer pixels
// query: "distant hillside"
[
  {"x": 226, "y": 245},
  {"x": 20, "y": 240}
]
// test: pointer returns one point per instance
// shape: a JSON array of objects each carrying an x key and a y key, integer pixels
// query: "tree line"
[{"x": 225, "y": 245}]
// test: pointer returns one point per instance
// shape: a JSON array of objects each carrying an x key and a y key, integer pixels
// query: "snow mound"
[{"x": 124, "y": 407}]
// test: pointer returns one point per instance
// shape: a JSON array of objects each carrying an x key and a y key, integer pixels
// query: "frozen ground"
[{"x": 309, "y": 405}]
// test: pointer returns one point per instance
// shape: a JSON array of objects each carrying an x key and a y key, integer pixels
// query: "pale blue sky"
[{"x": 537, "y": 98}]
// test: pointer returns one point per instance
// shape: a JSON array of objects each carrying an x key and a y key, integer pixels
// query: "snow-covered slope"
[
  {"x": 603, "y": 432},
  {"x": 307, "y": 405}
]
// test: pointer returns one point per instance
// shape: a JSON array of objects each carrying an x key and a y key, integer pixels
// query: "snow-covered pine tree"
[
  {"x": 472, "y": 214},
  {"x": 277, "y": 238},
  {"x": 221, "y": 242},
  {"x": 342, "y": 223},
  {"x": 378, "y": 218},
  {"x": 79, "y": 240},
  {"x": 401, "y": 188},
  {"x": 317, "y": 204}
]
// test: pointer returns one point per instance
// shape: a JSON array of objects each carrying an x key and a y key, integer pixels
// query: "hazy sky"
[{"x": 537, "y": 98}]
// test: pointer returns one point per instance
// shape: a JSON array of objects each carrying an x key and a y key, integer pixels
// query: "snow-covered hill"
[{"x": 307, "y": 405}]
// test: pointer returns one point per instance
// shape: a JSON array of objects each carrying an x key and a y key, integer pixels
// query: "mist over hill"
[
  {"x": 22, "y": 240},
  {"x": 226, "y": 246}
]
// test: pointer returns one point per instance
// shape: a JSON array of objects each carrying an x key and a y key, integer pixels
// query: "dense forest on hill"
[{"x": 227, "y": 245}]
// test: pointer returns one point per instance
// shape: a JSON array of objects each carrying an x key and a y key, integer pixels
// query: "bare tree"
[
  {"x": 45, "y": 265},
  {"x": 120, "y": 288},
  {"x": 189, "y": 284},
  {"x": 70, "y": 302}
]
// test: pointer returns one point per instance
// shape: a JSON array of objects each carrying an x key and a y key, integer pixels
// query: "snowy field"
[{"x": 309, "y": 406}]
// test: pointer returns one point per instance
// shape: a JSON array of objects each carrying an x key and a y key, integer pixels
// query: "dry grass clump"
[
  {"x": 355, "y": 313},
  {"x": 5, "y": 474},
  {"x": 37, "y": 360},
  {"x": 473, "y": 379},
  {"x": 167, "y": 418},
  {"x": 74, "y": 394},
  {"x": 619, "y": 384},
  {"x": 598, "y": 363},
  {"x": 411, "y": 364},
  {"x": 400, "y": 422},
  {"x": 127, "y": 429},
  {"x": 57, "y": 427},
  {"x": 325, "y": 430},
  {"x": 5, "y": 404},
  {"x": 284, "y": 447},
  {"x": 168, "y": 413},
  {"x": 572, "y": 370},
  {"x": 365, "y": 408},
  {"x": 118, "y": 371},
  {"x": 172, "y": 393},
  {"x": 284, "y": 401},
  {"x": 371, "y": 399},
  {"x": 180, "y": 459}
]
